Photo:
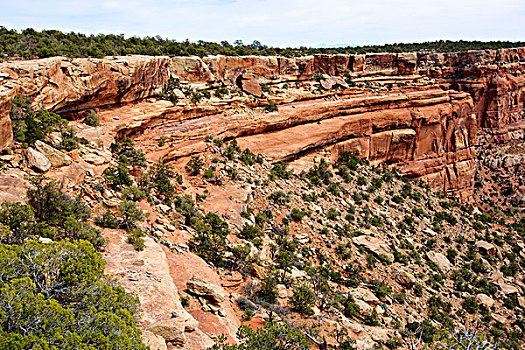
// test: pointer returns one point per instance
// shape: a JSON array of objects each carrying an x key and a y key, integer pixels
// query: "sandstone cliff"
[{"x": 426, "y": 130}]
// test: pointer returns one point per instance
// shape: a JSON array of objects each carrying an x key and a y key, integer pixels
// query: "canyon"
[
  {"x": 417, "y": 111},
  {"x": 423, "y": 115}
]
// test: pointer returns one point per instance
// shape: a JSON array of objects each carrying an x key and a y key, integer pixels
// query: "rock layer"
[{"x": 427, "y": 133}]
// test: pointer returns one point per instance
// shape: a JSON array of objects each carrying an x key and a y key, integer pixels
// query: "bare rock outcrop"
[
  {"x": 56, "y": 157},
  {"x": 426, "y": 132},
  {"x": 36, "y": 160}
]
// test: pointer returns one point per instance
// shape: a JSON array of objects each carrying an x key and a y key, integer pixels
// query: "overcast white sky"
[{"x": 277, "y": 22}]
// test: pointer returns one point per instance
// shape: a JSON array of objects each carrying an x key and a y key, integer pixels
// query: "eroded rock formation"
[{"x": 425, "y": 129}]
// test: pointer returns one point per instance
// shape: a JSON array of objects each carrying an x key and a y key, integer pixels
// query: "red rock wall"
[
  {"x": 436, "y": 145},
  {"x": 494, "y": 78}
]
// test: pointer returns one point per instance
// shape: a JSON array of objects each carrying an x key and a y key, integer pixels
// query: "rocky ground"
[
  {"x": 380, "y": 252},
  {"x": 334, "y": 245}
]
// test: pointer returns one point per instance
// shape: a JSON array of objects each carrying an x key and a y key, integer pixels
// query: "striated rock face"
[
  {"x": 65, "y": 85},
  {"x": 494, "y": 78},
  {"x": 427, "y": 131}
]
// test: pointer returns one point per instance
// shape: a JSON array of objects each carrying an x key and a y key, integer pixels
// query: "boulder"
[
  {"x": 56, "y": 157},
  {"x": 365, "y": 295},
  {"x": 332, "y": 82},
  {"x": 171, "y": 330},
  {"x": 204, "y": 289},
  {"x": 485, "y": 300},
  {"x": 375, "y": 245},
  {"x": 155, "y": 342},
  {"x": 406, "y": 278},
  {"x": 282, "y": 291},
  {"x": 232, "y": 279},
  {"x": 95, "y": 159},
  {"x": 486, "y": 248},
  {"x": 521, "y": 302},
  {"x": 440, "y": 260},
  {"x": 250, "y": 85},
  {"x": 37, "y": 160},
  {"x": 364, "y": 308},
  {"x": 508, "y": 289},
  {"x": 6, "y": 130}
]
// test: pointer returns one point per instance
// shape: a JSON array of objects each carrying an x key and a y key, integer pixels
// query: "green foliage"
[
  {"x": 298, "y": 214},
  {"x": 464, "y": 339},
  {"x": 195, "y": 165},
  {"x": 272, "y": 337},
  {"x": 19, "y": 219},
  {"x": 445, "y": 216},
  {"x": 279, "y": 197},
  {"x": 92, "y": 119},
  {"x": 130, "y": 213},
  {"x": 210, "y": 240},
  {"x": 209, "y": 173},
  {"x": 135, "y": 239},
  {"x": 127, "y": 154},
  {"x": 349, "y": 160},
  {"x": 118, "y": 176},
  {"x": 271, "y": 107},
  {"x": 160, "y": 175},
  {"x": 30, "y": 126},
  {"x": 250, "y": 232},
  {"x": 303, "y": 299},
  {"x": 48, "y": 43},
  {"x": 56, "y": 296},
  {"x": 319, "y": 174},
  {"x": 57, "y": 215},
  {"x": 268, "y": 290},
  {"x": 69, "y": 140},
  {"x": 332, "y": 214},
  {"x": 132, "y": 193},
  {"x": 247, "y": 157},
  {"x": 107, "y": 220},
  {"x": 470, "y": 305}
]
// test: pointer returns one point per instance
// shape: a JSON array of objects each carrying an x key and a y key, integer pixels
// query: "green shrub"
[
  {"x": 271, "y": 337},
  {"x": 250, "y": 232},
  {"x": 69, "y": 140},
  {"x": 350, "y": 308},
  {"x": 279, "y": 197},
  {"x": 160, "y": 176},
  {"x": 247, "y": 157},
  {"x": 210, "y": 241},
  {"x": 445, "y": 216},
  {"x": 470, "y": 305},
  {"x": 130, "y": 213},
  {"x": 135, "y": 239},
  {"x": 19, "y": 219},
  {"x": 195, "y": 165},
  {"x": 209, "y": 173},
  {"x": 303, "y": 299},
  {"x": 279, "y": 171},
  {"x": 298, "y": 214},
  {"x": 107, "y": 220},
  {"x": 271, "y": 107},
  {"x": 30, "y": 126},
  {"x": 268, "y": 290},
  {"x": 60, "y": 297},
  {"x": 126, "y": 153},
  {"x": 332, "y": 214},
  {"x": 132, "y": 193},
  {"x": 92, "y": 119},
  {"x": 118, "y": 176}
]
